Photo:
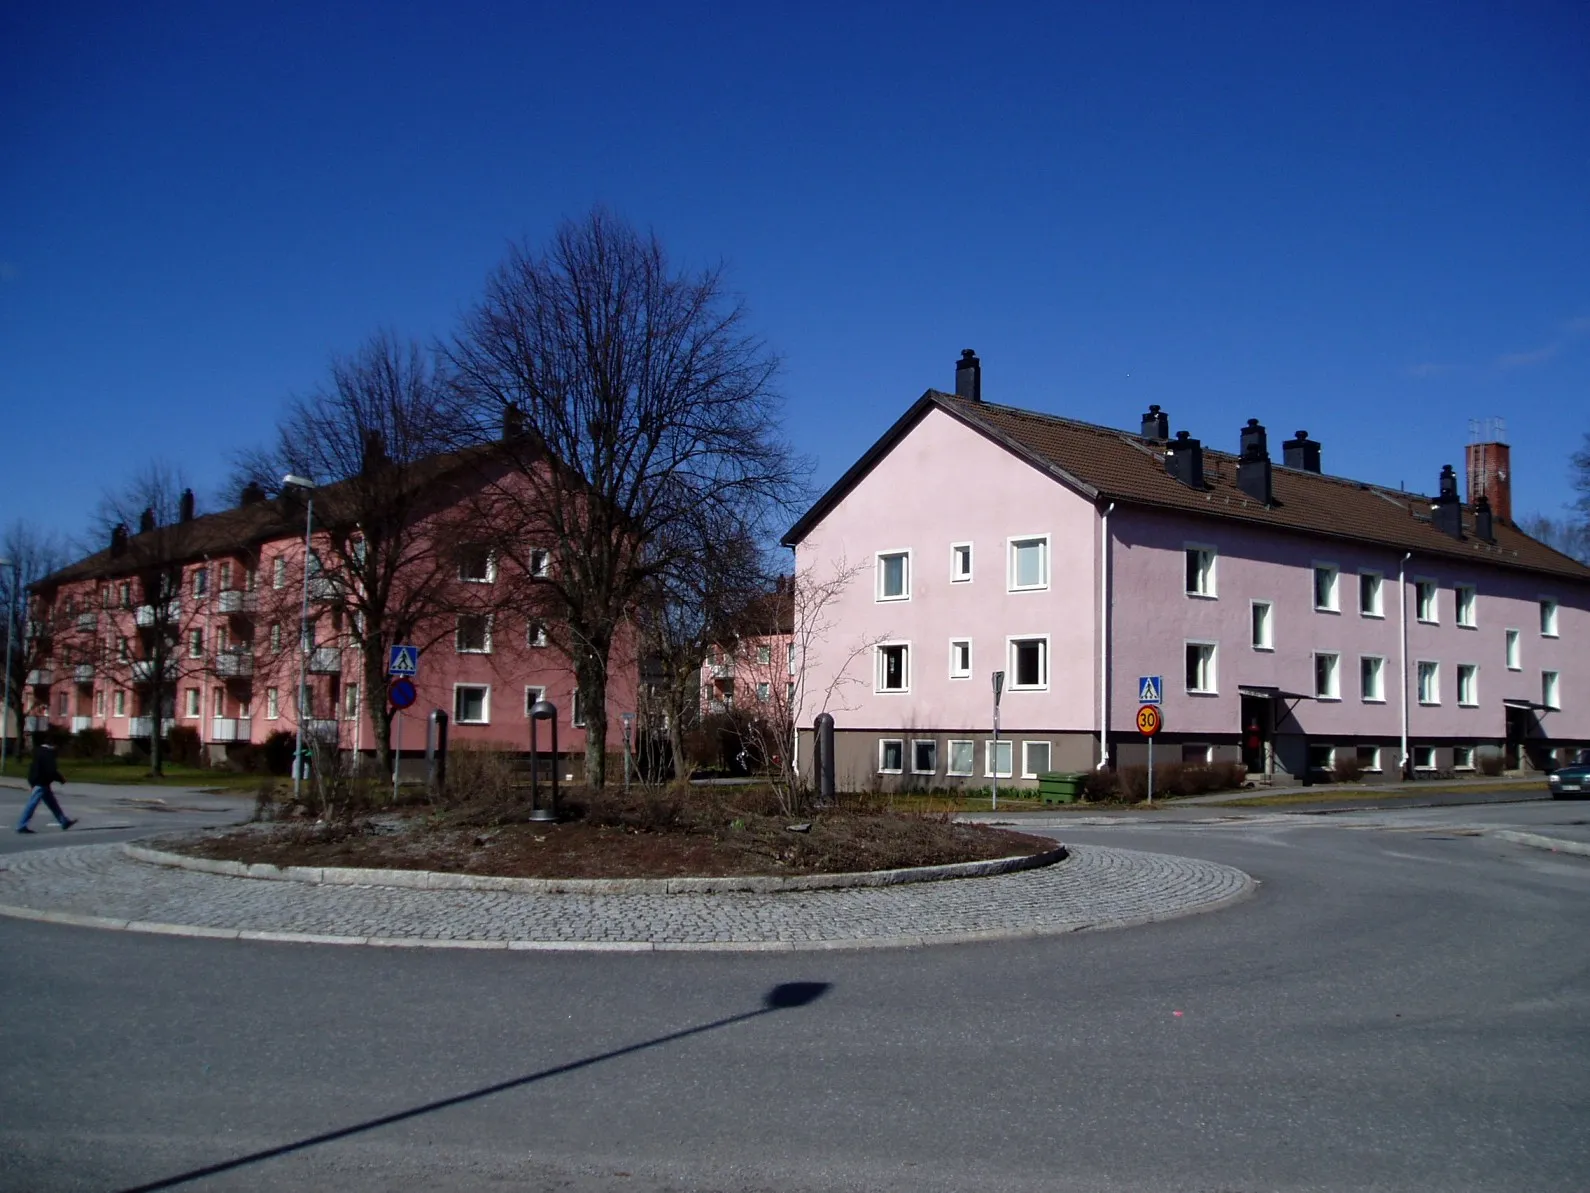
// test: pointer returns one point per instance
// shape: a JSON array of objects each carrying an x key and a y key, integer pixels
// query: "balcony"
[
  {"x": 141, "y": 726},
  {"x": 88, "y": 622},
  {"x": 234, "y": 600},
  {"x": 721, "y": 670},
  {"x": 144, "y": 615},
  {"x": 234, "y": 664},
  {"x": 324, "y": 588},
  {"x": 325, "y": 660},
  {"x": 83, "y": 673},
  {"x": 81, "y": 723},
  {"x": 41, "y": 677},
  {"x": 231, "y": 729},
  {"x": 321, "y": 730},
  {"x": 143, "y": 670},
  {"x": 36, "y": 724}
]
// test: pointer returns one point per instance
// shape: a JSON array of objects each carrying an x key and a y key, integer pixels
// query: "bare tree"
[
  {"x": 31, "y": 554},
  {"x": 1560, "y": 534},
  {"x": 650, "y": 419},
  {"x": 375, "y": 439}
]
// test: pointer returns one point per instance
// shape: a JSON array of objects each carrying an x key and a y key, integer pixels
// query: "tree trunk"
[
  {"x": 676, "y": 741},
  {"x": 590, "y": 676},
  {"x": 379, "y": 712}
]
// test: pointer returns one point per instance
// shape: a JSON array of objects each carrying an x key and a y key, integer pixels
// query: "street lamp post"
[
  {"x": 304, "y": 483},
  {"x": 11, "y": 620}
]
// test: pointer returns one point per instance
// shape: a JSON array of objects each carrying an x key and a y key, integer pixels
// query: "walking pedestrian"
[{"x": 41, "y": 774}]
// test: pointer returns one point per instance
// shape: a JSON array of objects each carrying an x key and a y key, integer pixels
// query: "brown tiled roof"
[{"x": 1110, "y": 465}]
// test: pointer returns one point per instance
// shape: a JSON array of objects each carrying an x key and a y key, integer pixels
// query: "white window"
[
  {"x": 276, "y": 636},
  {"x": 123, "y": 650},
  {"x": 577, "y": 707},
  {"x": 476, "y": 564},
  {"x": 272, "y": 704},
  {"x": 894, "y": 575},
  {"x": 201, "y": 581},
  {"x": 960, "y": 757},
  {"x": 1548, "y": 618},
  {"x": 1548, "y": 690},
  {"x": 1513, "y": 663},
  {"x": 1034, "y": 759},
  {"x": 891, "y": 756},
  {"x": 1197, "y": 753},
  {"x": 195, "y": 644},
  {"x": 1463, "y": 758},
  {"x": 1464, "y": 598},
  {"x": 1371, "y": 679},
  {"x": 1423, "y": 757},
  {"x": 535, "y": 633},
  {"x": 532, "y": 697},
  {"x": 1425, "y": 601},
  {"x": 1327, "y": 678},
  {"x": 472, "y": 703},
  {"x": 924, "y": 757},
  {"x": 789, "y": 693},
  {"x": 99, "y": 703},
  {"x": 960, "y": 562},
  {"x": 1370, "y": 586},
  {"x": 1029, "y": 563},
  {"x": 350, "y": 702},
  {"x": 1263, "y": 626},
  {"x": 792, "y": 658},
  {"x": 894, "y": 667},
  {"x": 1029, "y": 664},
  {"x": 120, "y": 703},
  {"x": 226, "y": 576},
  {"x": 764, "y": 655},
  {"x": 1201, "y": 667},
  {"x": 1429, "y": 683},
  {"x": 1321, "y": 757},
  {"x": 1325, "y": 585},
  {"x": 960, "y": 658},
  {"x": 540, "y": 563},
  {"x": 124, "y": 592},
  {"x": 998, "y": 758},
  {"x": 190, "y": 702},
  {"x": 763, "y": 692},
  {"x": 1200, "y": 571},
  {"x": 1369, "y": 757},
  {"x": 474, "y": 633},
  {"x": 1468, "y": 681},
  {"x": 279, "y": 572}
]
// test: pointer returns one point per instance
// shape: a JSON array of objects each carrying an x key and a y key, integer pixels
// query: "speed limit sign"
[{"x": 1149, "y": 720}]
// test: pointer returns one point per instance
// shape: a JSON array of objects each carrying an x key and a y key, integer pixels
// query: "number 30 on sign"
[{"x": 1149, "y": 720}]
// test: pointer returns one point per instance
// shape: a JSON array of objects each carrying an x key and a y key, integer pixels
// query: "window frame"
[
  {"x": 971, "y": 755},
  {"x": 1464, "y": 752},
  {"x": 1377, "y": 609},
  {"x": 1473, "y": 671},
  {"x": 956, "y": 673},
  {"x": 1213, "y": 667},
  {"x": 1380, "y": 679},
  {"x": 1429, "y": 753},
  {"x": 485, "y": 703},
  {"x": 1028, "y": 771},
  {"x": 883, "y": 744},
  {"x": 490, "y": 558},
  {"x": 1015, "y": 541},
  {"x": 880, "y": 566},
  {"x": 1374, "y": 764},
  {"x": 458, "y": 634},
  {"x": 538, "y": 563},
  {"x": 535, "y": 634},
  {"x": 1421, "y": 585},
  {"x": 540, "y": 691},
  {"x": 1434, "y": 698},
  {"x": 880, "y": 669},
  {"x": 1011, "y": 643},
  {"x": 1551, "y": 690},
  {"x": 933, "y": 745},
  {"x": 273, "y": 704},
  {"x": 1335, "y": 571},
  {"x": 1268, "y": 644},
  {"x": 1513, "y": 649},
  {"x": 1548, "y": 617},
  {"x": 279, "y": 572},
  {"x": 1208, "y": 575},
  {"x": 1472, "y": 602},
  {"x": 196, "y": 642},
  {"x": 118, "y": 702},
  {"x": 991, "y": 758},
  {"x": 957, "y": 576},
  {"x": 1333, "y": 692},
  {"x": 192, "y": 704}
]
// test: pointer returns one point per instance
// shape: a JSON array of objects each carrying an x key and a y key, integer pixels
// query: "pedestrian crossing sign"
[
  {"x": 1149, "y": 690},
  {"x": 405, "y": 661}
]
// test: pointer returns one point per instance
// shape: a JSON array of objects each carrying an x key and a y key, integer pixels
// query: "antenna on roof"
[{"x": 1488, "y": 430}]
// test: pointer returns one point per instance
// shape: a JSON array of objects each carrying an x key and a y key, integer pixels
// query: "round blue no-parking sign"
[{"x": 401, "y": 693}]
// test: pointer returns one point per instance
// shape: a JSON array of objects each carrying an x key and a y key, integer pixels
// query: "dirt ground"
[{"x": 664, "y": 835}]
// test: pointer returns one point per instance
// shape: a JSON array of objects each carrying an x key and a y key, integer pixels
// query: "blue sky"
[{"x": 1367, "y": 220}]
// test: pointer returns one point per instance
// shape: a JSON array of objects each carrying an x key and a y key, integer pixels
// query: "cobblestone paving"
[{"x": 1096, "y": 887}]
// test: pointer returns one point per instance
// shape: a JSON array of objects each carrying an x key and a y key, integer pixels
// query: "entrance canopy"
[
  {"x": 1526, "y": 705},
  {"x": 1259, "y": 692}
]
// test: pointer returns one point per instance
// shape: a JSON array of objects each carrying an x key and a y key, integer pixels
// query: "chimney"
[
  {"x": 1490, "y": 475},
  {"x": 1301, "y": 453},
  {"x": 185, "y": 506},
  {"x": 1446, "y": 511},
  {"x": 969, "y": 377},
  {"x": 1156, "y": 424},
  {"x": 118, "y": 539},
  {"x": 252, "y": 494},
  {"x": 1484, "y": 526},
  {"x": 374, "y": 454},
  {"x": 512, "y": 422},
  {"x": 1253, "y": 463},
  {"x": 1184, "y": 460},
  {"x": 146, "y": 520}
]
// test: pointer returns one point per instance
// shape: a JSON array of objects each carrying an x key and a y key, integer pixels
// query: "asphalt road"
[{"x": 1402, "y": 1006}]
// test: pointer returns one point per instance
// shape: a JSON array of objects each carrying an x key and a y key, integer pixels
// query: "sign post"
[
  {"x": 1149, "y": 722},
  {"x": 403, "y": 663},
  {"x": 993, "y": 763}
]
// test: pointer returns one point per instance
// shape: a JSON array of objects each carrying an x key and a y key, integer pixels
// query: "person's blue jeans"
[{"x": 48, "y": 797}]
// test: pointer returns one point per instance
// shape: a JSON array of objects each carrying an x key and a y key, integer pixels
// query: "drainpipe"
[
  {"x": 1402, "y": 626},
  {"x": 1104, "y": 640}
]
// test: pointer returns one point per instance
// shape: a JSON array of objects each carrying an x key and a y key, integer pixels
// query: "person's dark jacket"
[{"x": 43, "y": 772}]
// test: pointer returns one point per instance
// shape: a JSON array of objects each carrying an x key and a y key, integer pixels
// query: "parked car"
[{"x": 1571, "y": 781}]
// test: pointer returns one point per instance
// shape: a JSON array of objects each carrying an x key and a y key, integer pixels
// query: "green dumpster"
[{"x": 1059, "y": 787}]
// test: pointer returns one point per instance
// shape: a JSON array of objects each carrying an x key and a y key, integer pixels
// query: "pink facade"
[{"x": 754, "y": 675}]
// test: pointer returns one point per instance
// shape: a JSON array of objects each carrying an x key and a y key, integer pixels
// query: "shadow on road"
[{"x": 783, "y": 997}]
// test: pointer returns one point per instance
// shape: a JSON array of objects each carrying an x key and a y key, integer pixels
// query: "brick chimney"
[
  {"x": 1490, "y": 475},
  {"x": 969, "y": 377}
]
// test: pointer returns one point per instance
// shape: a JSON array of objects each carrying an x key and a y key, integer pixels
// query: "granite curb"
[
  {"x": 1538, "y": 841},
  {"x": 432, "y": 880}
]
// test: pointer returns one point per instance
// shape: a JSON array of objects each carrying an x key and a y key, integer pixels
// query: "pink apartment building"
[
  {"x": 1295, "y": 617},
  {"x": 234, "y": 602}
]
